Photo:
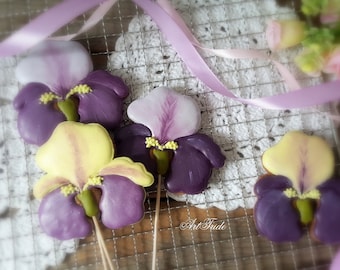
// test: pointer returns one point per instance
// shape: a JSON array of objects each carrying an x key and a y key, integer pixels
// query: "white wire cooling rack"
[{"x": 129, "y": 44}]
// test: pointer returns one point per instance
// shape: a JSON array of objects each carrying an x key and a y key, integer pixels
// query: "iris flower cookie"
[
  {"x": 165, "y": 130},
  {"x": 59, "y": 85},
  {"x": 300, "y": 190},
  {"x": 83, "y": 180}
]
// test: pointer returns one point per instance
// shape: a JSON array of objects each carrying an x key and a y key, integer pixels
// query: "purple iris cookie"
[
  {"x": 166, "y": 141},
  {"x": 59, "y": 85}
]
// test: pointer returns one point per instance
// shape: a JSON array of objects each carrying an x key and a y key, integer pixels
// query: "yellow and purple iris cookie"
[
  {"x": 83, "y": 180},
  {"x": 300, "y": 190}
]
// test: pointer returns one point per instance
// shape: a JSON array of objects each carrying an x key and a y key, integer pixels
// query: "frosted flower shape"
[
  {"x": 82, "y": 180},
  {"x": 299, "y": 191},
  {"x": 165, "y": 139},
  {"x": 59, "y": 85}
]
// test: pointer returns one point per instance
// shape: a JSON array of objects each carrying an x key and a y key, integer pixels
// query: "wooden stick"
[
  {"x": 155, "y": 232},
  {"x": 106, "y": 258},
  {"x": 101, "y": 250}
]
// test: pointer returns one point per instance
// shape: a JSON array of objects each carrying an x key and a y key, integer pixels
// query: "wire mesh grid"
[{"x": 127, "y": 43}]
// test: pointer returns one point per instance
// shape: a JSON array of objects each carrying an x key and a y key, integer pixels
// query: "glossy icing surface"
[
  {"x": 172, "y": 130},
  {"x": 300, "y": 191},
  {"x": 78, "y": 161},
  {"x": 62, "y": 86},
  {"x": 173, "y": 115},
  {"x": 298, "y": 156}
]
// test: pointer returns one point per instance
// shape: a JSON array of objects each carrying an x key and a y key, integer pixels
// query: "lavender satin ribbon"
[
  {"x": 305, "y": 97},
  {"x": 45, "y": 25},
  {"x": 178, "y": 36}
]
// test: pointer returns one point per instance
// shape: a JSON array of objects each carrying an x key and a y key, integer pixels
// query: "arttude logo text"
[{"x": 207, "y": 224}]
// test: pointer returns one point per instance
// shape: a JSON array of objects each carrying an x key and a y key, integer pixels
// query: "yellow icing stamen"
[
  {"x": 93, "y": 181},
  {"x": 292, "y": 193},
  {"x": 150, "y": 142},
  {"x": 172, "y": 145},
  {"x": 47, "y": 97},
  {"x": 153, "y": 142},
  {"x": 79, "y": 89},
  {"x": 313, "y": 194},
  {"x": 68, "y": 190}
]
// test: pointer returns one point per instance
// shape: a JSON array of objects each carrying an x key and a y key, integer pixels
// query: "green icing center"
[
  {"x": 88, "y": 202},
  {"x": 163, "y": 159},
  {"x": 304, "y": 203},
  {"x": 69, "y": 109},
  {"x": 306, "y": 210},
  {"x": 69, "y": 105},
  {"x": 162, "y": 153}
]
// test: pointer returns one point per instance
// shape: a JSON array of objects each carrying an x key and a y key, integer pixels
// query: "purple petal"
[
  {"x": 62, "y": 218},
  {"x": 105, "y": 79},
  {"x": 167, "y": 114},
  {"x": 270, "y": 182},
  {"x": 130, "y": 142},
  {"x": 122, "y": 202},
  {"x": 36, "y": 121},
  {"x": 327, "y": 218},
  {"x": 192, "y": 164},
  {"x": 276, "y": 218},
  {"x": 58, "y": 64},
  {"x": 104, "y": 105},
  {"x": 206, "y": 146}
]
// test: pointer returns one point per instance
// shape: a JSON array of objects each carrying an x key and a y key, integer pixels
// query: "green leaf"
[
  {"x": 313, "y": 7},
  {"x": 319, "y": 40}
]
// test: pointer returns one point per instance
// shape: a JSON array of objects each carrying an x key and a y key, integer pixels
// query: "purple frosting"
[
  {"x": 278, "y": 219},
  {"x": 121, "y": 202},
  {"x": 103, "y": 105},
  {"x": 274, "y": 215},
  {"x": 130, "y": 142},
  {"x": 191, "y": 164},
  {"x": 61, "y": 217},
  {"x": 327, "y": 218},
  {"x": 36, "y": 122}
]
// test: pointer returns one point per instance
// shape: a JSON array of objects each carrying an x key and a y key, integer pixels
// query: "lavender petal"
[
  {"x": 36, "y": 121},
  {"x": 173, "y": 115},
  {"x": 62, "y": 218},
  {"x": 105, "y": 79},
  {"x": 58, "y": 64},
  {"x": 122, "y": 202},
  {"x": 104, "y": 105}
]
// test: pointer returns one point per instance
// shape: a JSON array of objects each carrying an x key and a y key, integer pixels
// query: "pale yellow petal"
[
  {"x": 306, "y": 160},
  {"x": 46, "y": 184},
  {"x": 76, "y": 151},
  {"x": 135, "y": 171}
]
